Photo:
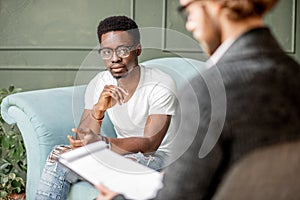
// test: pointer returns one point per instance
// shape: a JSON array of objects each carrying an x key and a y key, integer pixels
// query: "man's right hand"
[
  {"x": 105, "y": 193},
  {"x": 110, "y": 95}
]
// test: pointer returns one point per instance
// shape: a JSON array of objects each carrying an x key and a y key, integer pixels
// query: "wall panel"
[
  {"x": 55, "y": 24},
  {"x": 283, "y": 22},
  {"x": 46, "y": 43}
]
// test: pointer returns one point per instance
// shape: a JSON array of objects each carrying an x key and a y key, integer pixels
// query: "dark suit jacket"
[{"x": 253, "y": 101}]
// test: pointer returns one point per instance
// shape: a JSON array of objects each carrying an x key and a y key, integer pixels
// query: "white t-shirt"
[{"x": 155, "y": 94}]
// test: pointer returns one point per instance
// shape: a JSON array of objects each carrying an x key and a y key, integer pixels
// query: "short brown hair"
[{"x": 240, "y": 9}]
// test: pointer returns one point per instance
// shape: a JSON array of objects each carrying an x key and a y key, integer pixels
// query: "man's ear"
[{"x": 138, "y": 49}]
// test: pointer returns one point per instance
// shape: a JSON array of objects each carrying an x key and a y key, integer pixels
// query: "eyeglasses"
[
  {"x": 182, "y": 9},
  {"x": 121, "y": 51}
]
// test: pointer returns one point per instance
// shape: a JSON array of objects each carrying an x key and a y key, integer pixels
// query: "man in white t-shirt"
[
  {"x": 139, "y": 100},
  {"x": 154, "y": 95}
]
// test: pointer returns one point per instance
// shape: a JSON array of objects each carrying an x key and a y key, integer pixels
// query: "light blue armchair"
[{"x": 45, "y": 118}]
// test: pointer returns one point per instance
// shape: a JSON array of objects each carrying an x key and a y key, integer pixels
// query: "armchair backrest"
[{"x": 180, "y": 69}]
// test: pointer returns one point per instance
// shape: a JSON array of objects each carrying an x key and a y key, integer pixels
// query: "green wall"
[{"x": 51, "y": 43}]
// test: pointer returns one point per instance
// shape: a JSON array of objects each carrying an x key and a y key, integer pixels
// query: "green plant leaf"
[
  {"x": 16, "y": 184},
  {"x": 12, "y": 176},
  {"x": 13, "y": 161},
  {"x": 3, "y": 194},
  {"x": 18, "y": 189},
  {"x": 3, "y": 91},
  {"x": 11, "y": 88},
  {"x": 5, "y": 179},
  {"x": 5, "y": 143},
  {"x": 4, "y": 165}
]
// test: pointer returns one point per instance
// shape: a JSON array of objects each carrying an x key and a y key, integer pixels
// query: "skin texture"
[
  {"x": 203, "y": 24},
  {"x": 105, "y": 193},
  {"x": 210, "y": 25}
]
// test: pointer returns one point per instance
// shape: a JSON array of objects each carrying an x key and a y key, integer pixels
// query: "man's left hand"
[{"x": 86, "y": 136}]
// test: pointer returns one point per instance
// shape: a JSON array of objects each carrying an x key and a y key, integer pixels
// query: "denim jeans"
[
  {"x": 154, "y": 161},
  {"x": 56, "y": 179}
]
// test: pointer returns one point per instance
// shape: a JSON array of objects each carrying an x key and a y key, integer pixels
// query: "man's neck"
[
  {"x": 233, "y": 29},
  {"x": 130, "y": 82}
]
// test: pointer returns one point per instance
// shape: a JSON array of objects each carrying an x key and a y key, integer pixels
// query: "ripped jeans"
[{"x": 56, "y": 180}]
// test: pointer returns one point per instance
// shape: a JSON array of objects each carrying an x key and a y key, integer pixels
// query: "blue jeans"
[{"x": 56, "y": 179}]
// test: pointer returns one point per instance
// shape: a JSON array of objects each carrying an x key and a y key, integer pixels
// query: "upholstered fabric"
[
  {"x": 46, "y": 117},
  {"x": 272, "y": 173}
]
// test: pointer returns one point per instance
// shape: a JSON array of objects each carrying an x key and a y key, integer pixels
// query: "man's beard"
[
  {"x": 124, "y": 76},
  {"x": 118, "y": 77},
  {"x": 127, "y": 73}
]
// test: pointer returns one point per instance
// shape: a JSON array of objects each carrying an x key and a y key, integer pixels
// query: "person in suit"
[{"x": 248, "y": 97}]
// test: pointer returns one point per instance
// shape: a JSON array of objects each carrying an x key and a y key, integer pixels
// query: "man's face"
[
  {"x": 119, "y": 42},
  {"x": 203, "y": 22}
]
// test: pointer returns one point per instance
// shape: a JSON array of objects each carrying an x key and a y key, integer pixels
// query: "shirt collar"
[{"x": 220, "y": 51}]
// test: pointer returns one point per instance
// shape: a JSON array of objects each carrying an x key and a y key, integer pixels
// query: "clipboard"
[{"x": 97, "y": 164}]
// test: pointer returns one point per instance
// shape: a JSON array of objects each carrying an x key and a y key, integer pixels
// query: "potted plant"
[{"x": 13, "y": 164}]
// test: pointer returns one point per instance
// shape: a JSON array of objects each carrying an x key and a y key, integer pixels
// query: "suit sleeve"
[{"x": 189, "y": 176}]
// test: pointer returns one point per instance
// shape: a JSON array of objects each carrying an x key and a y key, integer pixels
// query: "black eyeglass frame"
[{"x": 181, "y": 9}]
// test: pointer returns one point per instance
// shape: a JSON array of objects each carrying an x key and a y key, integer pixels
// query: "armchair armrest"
[{"x": 45, "y": 118}]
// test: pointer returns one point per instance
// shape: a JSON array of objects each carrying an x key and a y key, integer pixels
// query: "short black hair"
[{"x": 119, "y": 23}]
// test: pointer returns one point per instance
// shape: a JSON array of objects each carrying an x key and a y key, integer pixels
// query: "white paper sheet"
[{"x": 96, "y": 164}]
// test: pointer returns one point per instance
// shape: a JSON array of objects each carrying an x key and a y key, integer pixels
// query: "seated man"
[{"x": 140, "y": 102}]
